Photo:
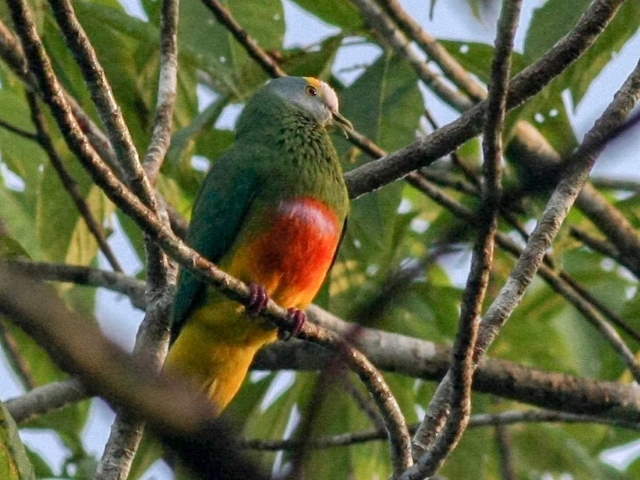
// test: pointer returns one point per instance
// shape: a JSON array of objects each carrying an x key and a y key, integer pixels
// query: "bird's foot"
[
  {"x": 298, "y": 317},
  {"x": 258, "y": 299}
]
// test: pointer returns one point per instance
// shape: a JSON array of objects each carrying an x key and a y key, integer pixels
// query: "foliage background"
[{"x": 381, "y": 95}]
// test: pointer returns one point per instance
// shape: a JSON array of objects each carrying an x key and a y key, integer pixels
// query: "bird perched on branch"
[{"x": 271, "y": 212}]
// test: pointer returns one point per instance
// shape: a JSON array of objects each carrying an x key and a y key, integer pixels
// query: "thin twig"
[
  {"x": 247, "y": 41},
  {"x": 505, "y": 452},
  {"x": 18, "y": 131},
  {"x": 436, "y": 52},
  {"x": 616, "y": 184},
  {"x": 462, "y": 368},
  {"x": 70, "y": 185},
  {"x": 476, "y": 421}
]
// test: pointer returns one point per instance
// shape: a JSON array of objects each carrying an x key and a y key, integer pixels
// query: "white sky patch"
[
  {"x": 229, "y": 116},
  {"x": 303, "y": 28},
  {"x": 135, "y": 8},
  {"x": 200, "y": 163},
  {"x": 280, "y": 384},
  {"x": 405, "y": 206},
  {"x": 621, "y": 457},
  {"x": 11, "y": 180},
  {"x": 419, "y": 225}
]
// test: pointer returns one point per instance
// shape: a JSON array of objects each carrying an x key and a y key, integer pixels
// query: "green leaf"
[
  {"x": 11, "y": 248},
  {"x": 384, "y": 104},
  {"x": 549, "y": 23},
  {"x": 14, "y": 462},
  {"x": 65, "y": 237},
  {"x": 477, "y": 57},
  {"x": 336, "y": 12},
  {"x": 210, "y": 45},
  {"x": 315, "y": 63}
]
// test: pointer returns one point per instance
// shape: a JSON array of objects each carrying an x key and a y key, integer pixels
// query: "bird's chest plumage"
[{"x": 289, "y": 250}]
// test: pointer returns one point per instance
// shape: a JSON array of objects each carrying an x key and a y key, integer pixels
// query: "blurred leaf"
[
  {"x": 312, "y": 63},
  {"x": 477, "y": 57},
  {"x": 384, "y": 104},
  {"x": 560, "y": 455},
  {"x": 210, "y": 46},
  {"x": 578, "y": 77},
  {"x": 40, "y": 466},
  {"x": 10, "y": 248},
  {"x": 549, "y": 23},
  {"x": 14, "y": 462},
  {"x": 336, "y": 12}
]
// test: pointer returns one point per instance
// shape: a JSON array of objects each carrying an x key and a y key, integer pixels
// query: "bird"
[{"x": 271, "y": 212}]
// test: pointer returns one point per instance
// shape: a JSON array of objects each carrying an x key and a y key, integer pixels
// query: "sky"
[{"x": 453, "y": 20}]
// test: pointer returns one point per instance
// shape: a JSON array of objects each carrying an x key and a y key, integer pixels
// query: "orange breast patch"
[{"x": 292, "y": 257}]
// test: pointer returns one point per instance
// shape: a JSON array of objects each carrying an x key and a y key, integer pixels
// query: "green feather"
[{"x": 280, "y": 152}]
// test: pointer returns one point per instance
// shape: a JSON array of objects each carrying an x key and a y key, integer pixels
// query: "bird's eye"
[{"x": 311, "y": 91}]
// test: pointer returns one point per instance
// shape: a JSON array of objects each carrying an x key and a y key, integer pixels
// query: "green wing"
[{"x": 219, "y": 212}]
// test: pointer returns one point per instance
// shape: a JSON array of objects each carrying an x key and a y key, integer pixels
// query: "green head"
[{"x": 312, "y": 97}]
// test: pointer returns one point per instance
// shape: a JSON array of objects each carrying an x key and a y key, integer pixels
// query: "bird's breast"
[{"x": 292, "y": 252}]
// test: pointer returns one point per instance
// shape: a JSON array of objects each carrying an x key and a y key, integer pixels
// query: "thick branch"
[
  {"x": 429, "y": 361},
  {"x": 178, "y": 415}
]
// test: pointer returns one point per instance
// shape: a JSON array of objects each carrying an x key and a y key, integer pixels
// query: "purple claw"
[
  {"x": 258, "y": 299},
  {"x": 298, "y": 317}
]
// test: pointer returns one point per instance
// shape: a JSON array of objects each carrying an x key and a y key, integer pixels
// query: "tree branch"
[
  {"x": 476, "y": 421},
  {"x": 153, "y": 334},
  {"x": 18, "y": 131},
  {"x": 167, "y": 85},
  {"x": 389, "y": 33},
  {"x": 254, "y": 50},
  {"x": 80, "y": 275},
  {"x": 461, "y": 370},
  {"x": 179, "y": 416},
  {"x": 557, "y": 208},
  {"x": 528, "y": 82},
  {"x": 505, "y": 452}
]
